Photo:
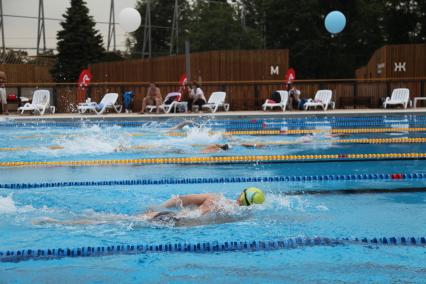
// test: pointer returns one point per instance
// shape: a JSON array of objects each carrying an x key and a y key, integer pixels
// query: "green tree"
[
  {"x": 401, "y": 21},
  {"x": 315, "y": 53},
  {"x": 79, "y": 43},
  {"x": 216, "y": 25},
  {"x": 422, "y": 21}
]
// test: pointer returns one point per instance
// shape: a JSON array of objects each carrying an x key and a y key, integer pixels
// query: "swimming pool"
[{"x": 66, "y": 170}]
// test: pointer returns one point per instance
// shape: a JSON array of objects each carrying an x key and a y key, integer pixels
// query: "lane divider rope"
[
  {"x": 223, "y": 160},
  {"x": 329, "y": 119},
  {"x": 311, "y": 131},
  {"x": 204, "y": 247},
  {"x": 236, "y": 179},
  {"x": 403, "y": 140}
]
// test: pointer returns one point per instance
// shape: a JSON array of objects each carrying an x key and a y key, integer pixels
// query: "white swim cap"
[{"x": 186, "y": 128}]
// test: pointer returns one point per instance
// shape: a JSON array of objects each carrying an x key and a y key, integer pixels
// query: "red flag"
[
  {"x": 83, "y": 83},
  {"x": 290, "y": 76},
  {"x": 85, "y": 78},
  {"x": 183, "y": 80}
]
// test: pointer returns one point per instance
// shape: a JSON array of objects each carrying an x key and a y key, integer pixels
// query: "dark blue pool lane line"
[
  {"x": 237, "y": 124},
  {"x": 203, "y": 247},
  {"x": 236, "y": 179}
]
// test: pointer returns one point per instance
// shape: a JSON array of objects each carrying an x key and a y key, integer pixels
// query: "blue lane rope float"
[
  {"x": 203, "y": 247},
  {"x": 235, "y": 123},
  {"x": 235, "y": 179}
]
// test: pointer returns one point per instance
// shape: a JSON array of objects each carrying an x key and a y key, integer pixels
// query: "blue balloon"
[{"x": 335, "y": 22}]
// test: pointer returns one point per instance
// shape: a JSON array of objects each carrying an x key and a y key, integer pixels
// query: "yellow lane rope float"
[
  {"x": 311, "y": 131},
  {"x": 218, "y": 160},
  {"x": 260, "y": 144}
]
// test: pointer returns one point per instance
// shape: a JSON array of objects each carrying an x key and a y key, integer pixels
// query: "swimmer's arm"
[
  {"x": 182, "y": 124},
  {"x": 253, "y": 145},
  {"x": 210, "y": 149},
  {"x": 186, "y": 200}
]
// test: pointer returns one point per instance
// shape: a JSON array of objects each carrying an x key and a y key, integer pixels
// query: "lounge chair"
[
  {"x": 107, "y": 102},
  {"x": 40, "y": 103},
  {"x": 322, "y": 99},
  {"x": 399, "y": 96},
  {"x": 167, "y": 107},
  {"x": 282, "y": 104},
  {"x": 216, "y": 100}
]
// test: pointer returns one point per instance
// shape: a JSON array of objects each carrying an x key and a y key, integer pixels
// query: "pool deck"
[{"x": 230, "y": 114}]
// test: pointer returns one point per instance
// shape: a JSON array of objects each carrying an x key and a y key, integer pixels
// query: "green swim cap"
[{"x": 252, "y": 195}]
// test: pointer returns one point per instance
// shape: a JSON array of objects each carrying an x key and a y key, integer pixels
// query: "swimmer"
[
  {"x": 192, "y": 210},
  {"x": 215, "y": 148},
  {"x": 185, "y": 124}
]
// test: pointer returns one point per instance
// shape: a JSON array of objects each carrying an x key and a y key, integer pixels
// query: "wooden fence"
[
  {"x": 26, "y": 73},
  {"x": 244, "y": 95},
  {"x": 395, "y": 61},
  {"x": 227, "y": 65}
]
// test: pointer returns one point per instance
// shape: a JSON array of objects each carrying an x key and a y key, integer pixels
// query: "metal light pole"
[
  {"x": 111, "y": 27},
  {"x": 175, "y": 29},
  {"x": 41, "y": 30},
  {"x": 147, "y": 30}
]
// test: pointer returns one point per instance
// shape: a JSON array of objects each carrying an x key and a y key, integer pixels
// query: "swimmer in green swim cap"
[
  {"x": 187, "y": 205},
  {"x": 250, "y": 196}
]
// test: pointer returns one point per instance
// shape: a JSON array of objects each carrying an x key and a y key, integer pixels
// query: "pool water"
[{"x": 287, "y": 212}]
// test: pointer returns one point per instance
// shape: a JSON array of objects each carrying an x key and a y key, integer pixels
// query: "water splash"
[{"x": 7, "y": 205}]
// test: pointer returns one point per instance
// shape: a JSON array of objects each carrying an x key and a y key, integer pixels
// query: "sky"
[{"x": 22, "y": 33}]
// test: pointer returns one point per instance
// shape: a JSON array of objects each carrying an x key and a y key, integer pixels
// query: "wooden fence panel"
[
  {"x": 227, "y": 65},
  {"x": 26, "y": 73}
]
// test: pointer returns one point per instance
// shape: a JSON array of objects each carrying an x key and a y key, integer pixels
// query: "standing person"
[
  {"x": 3, "y": 96},
  {"x": 196, "y": 96},
  {"x": 153, "y": 97}
]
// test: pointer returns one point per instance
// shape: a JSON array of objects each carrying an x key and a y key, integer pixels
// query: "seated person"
[
  {"x": 153, "y": 97},
  {"x": 191, "y": 207},
  {"x": 196, "y": 96},
  {"x": 294, "y": 100}
]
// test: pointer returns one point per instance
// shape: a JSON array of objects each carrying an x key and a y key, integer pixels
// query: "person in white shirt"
[{"x": 196, "y": 96}]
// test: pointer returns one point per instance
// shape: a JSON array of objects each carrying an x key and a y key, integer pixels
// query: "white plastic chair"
[
  {"x": 107, "y": 102},
  {"x": 39, "y": 104},
  {"x": 400, "y": 96},
  {"x": 166, "y": 107},
  {"x": 216, "y": 100},
  {"x": 282, "y": 104},
  {"x": 322, "y": 99}
]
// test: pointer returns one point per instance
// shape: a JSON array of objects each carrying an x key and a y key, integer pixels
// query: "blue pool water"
[{"x": 283, "y": 215}]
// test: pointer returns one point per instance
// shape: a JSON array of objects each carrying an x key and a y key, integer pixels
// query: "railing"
[{"x": 242, "y": 95}]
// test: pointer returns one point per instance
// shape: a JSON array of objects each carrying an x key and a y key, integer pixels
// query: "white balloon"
[{"x": 129, "y": 19}]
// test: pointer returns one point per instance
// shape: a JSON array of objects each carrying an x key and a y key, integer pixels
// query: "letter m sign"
[{"x": 275, "y": 70}]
